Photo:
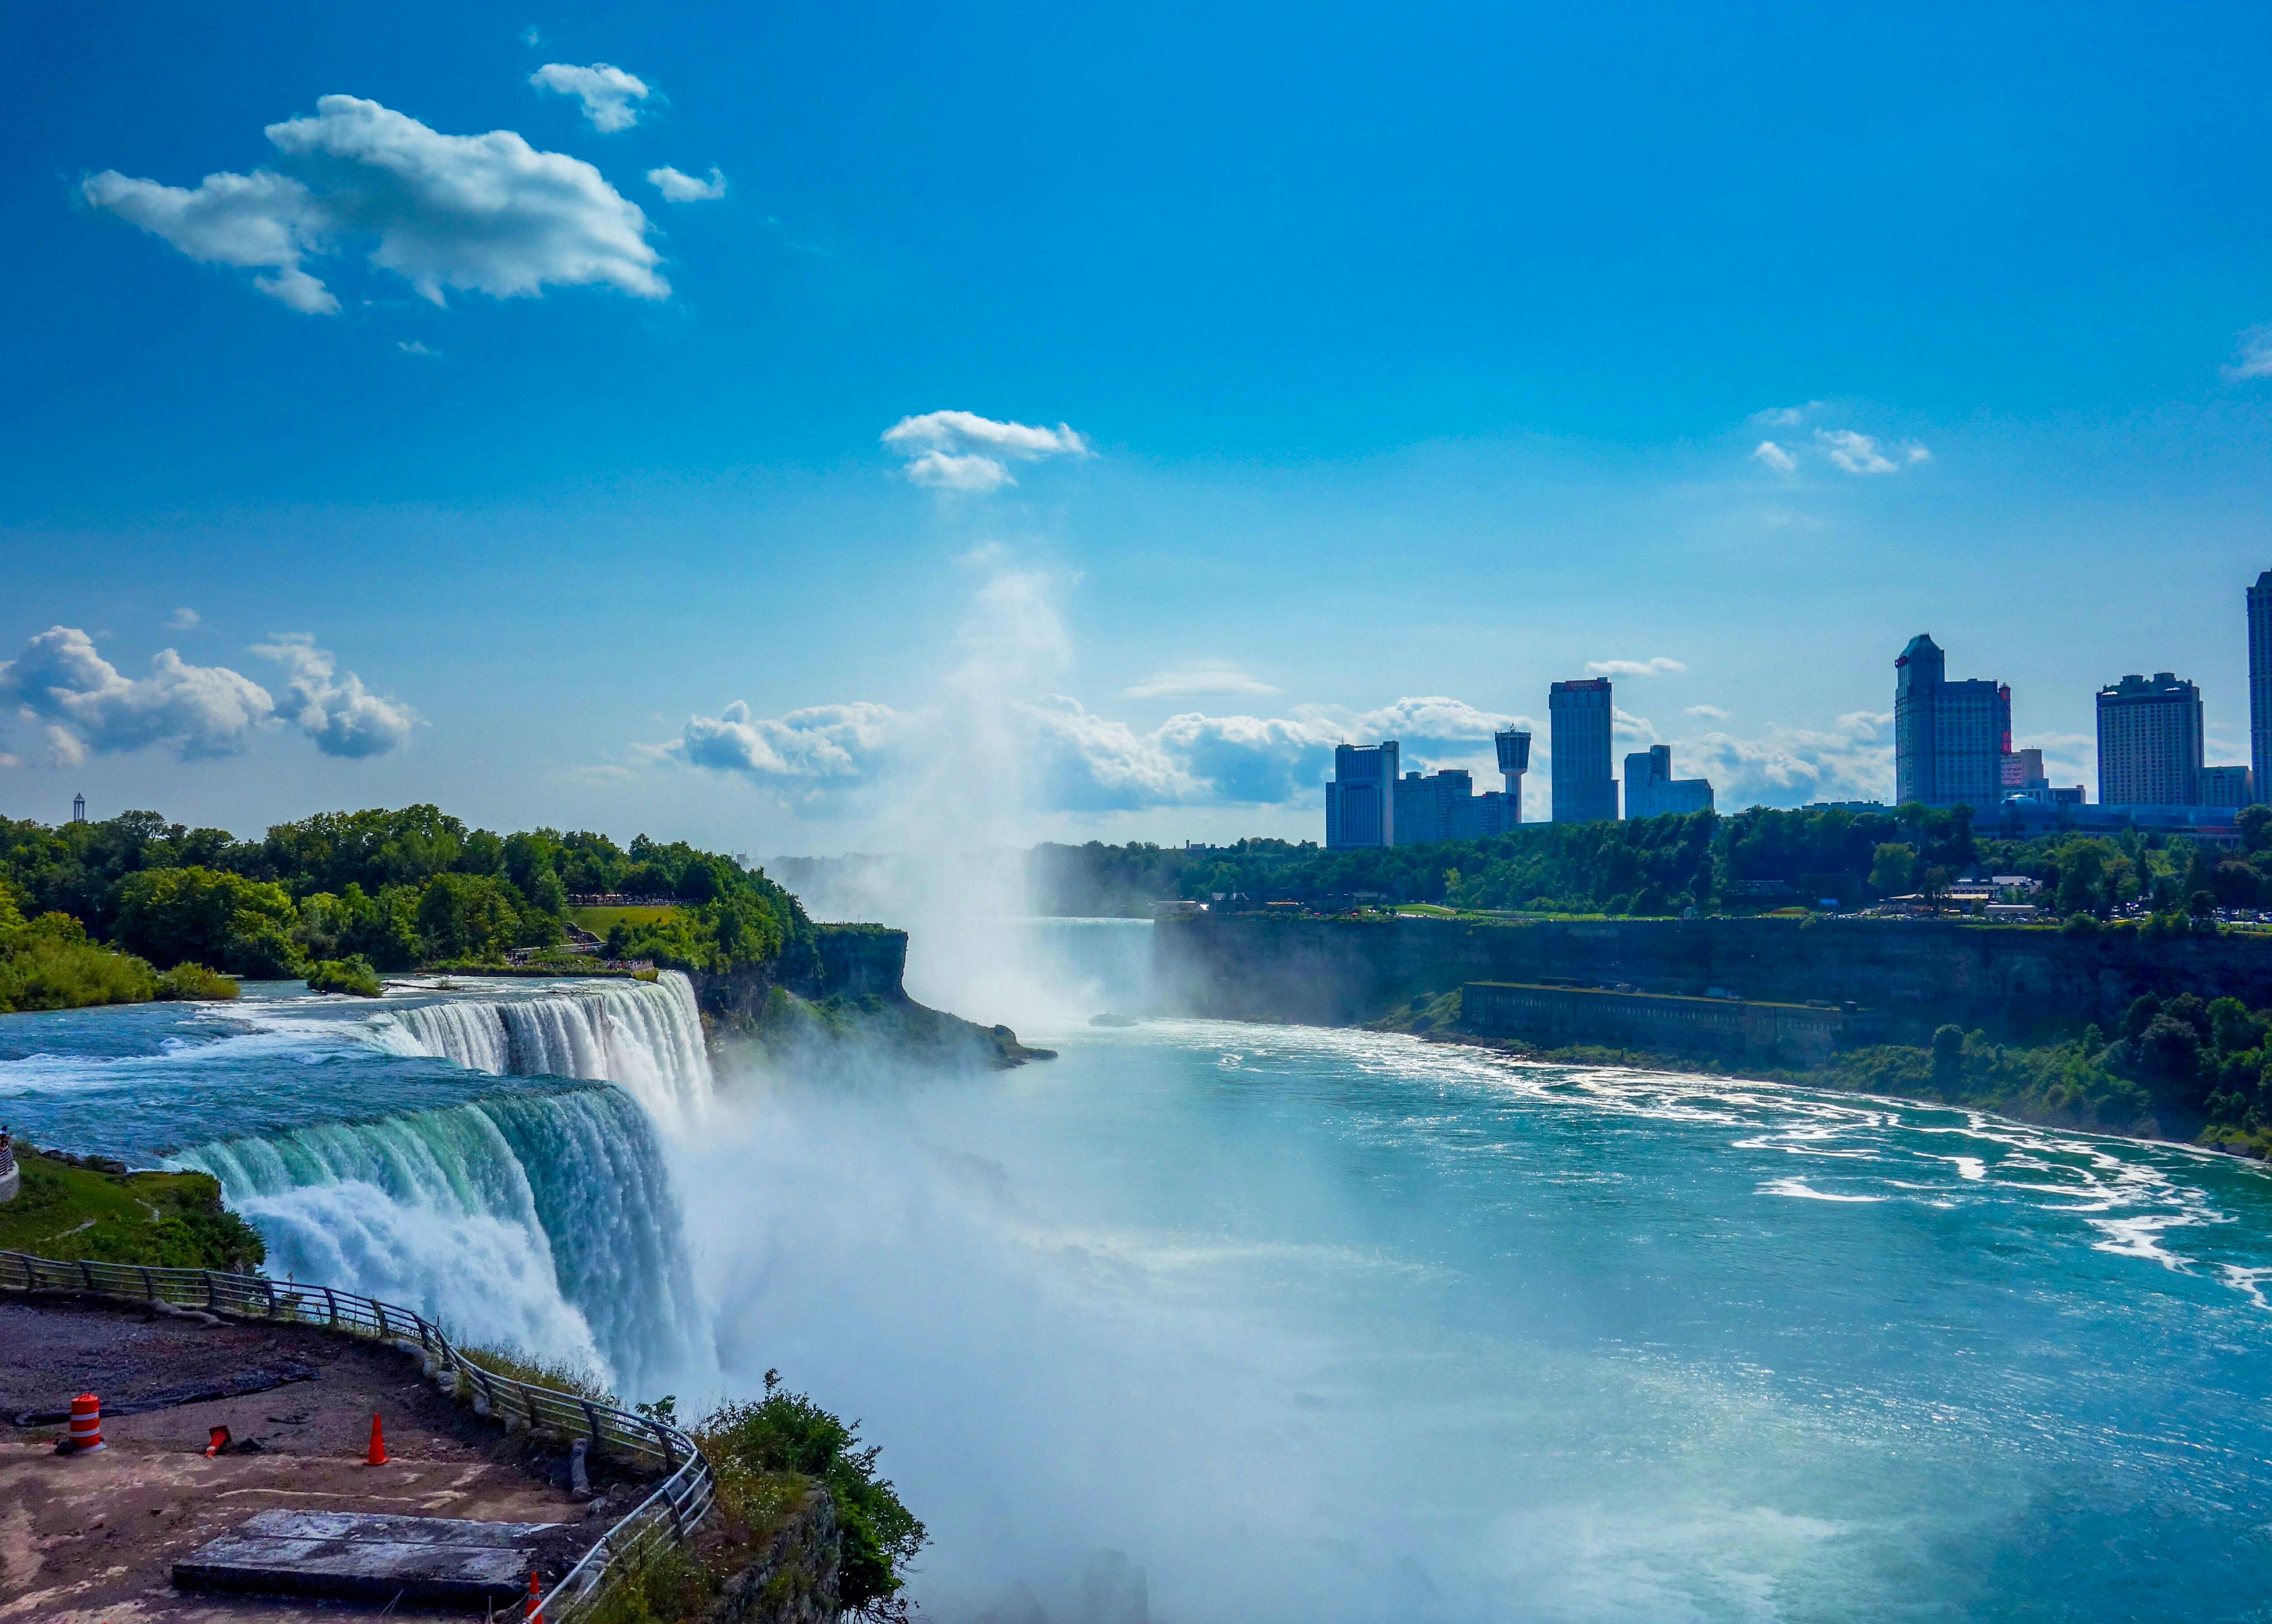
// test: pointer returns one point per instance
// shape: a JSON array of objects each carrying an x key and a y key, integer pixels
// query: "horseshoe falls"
[{"x": 1207, "y": 1322}]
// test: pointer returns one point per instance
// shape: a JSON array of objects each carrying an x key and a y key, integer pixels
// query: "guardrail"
[{"x": 666, "y": 1516}]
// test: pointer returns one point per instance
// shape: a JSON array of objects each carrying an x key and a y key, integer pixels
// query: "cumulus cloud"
[
  {"x": 607, "y": 93},
  {"x": 962, "y": 451},
  {"x": 87, "y": 705},
  {"x": 1197, "y": 679},
  {"x": 1859, "y": 454},
  {"x": 1789, "y": 767},
  {"x": 1659, "y": 666},
  {"x": 182, "y": 619},
  {"x": 1711, "y": 711},
  {"x": 822, "y": 742},
  {"x": 484, "y": 213},
  {"x": 2255, "y": 358},
  {"x": 1776, "y": 457},
  {"x": 677, "y": 187},
  {"x": 338, "y": 712}
]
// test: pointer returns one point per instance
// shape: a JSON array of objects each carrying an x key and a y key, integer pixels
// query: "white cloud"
[
  {"x": 8, "y": 760},
  {"x": 1776, "y": 457},
  {"x": 412, "y": 346},
  {"x": 1859, "y": 454},
  {"x": 339, "y": 713},
  {"x": 1784, "y": 416},
  {"x": 1712, "y": 711},
  {"x": 606, "y": 91},
  {"x": 1432, "y": 720},
  {"x": 1789, "y": 767},
  {"x": 88, "y": 706},
  {"x": 182, "y": 619},
  {"x": 825, "y": 741},
  {"x": 1658, "y": 667},
  {"x": 486, "y": 214},
  {"x": 1197, "y": 679},
  {"x": 677, "y": 187},
  {"x": 962, "y": 451},
  {"x": 2255, "y": 359},
  {"x": 1633, "y": 728}
]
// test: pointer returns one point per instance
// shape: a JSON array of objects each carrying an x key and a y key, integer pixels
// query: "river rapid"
[{"x": 1211, "y": 1321}]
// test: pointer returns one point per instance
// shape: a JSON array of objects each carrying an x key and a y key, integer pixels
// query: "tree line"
[
  {"x": 392, "y": 888},
  {"x": 1758, "y": 859}
]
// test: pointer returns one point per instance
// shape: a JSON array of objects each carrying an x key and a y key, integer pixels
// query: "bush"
[
  {"x": 49, "y": 963},
  {"x": 784, "y": 1431},
  {"x": 187, "y": 981},
  {"x": 352, "y": 974}
]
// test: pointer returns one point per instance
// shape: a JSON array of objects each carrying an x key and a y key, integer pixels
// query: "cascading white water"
[
  {"x": 542, "y": 1221},
  {"x": 646, "y": 1037}
]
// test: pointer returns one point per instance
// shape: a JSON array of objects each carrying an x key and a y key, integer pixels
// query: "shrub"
[
  {"x": 187, "y": 981},
  {"x": 352, "y": 974},
  {"x": 786, "y": 1432},
  {"x": 49, "y": 963}
]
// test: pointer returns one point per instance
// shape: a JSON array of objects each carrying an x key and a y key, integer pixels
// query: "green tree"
[
  {"x": 1891, "y": 866},
  {"x": 209, "y": 916},
  {"x": 467, "y": 916}
]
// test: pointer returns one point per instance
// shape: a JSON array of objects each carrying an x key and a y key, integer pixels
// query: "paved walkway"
[{"x": 91, "y": 1539}]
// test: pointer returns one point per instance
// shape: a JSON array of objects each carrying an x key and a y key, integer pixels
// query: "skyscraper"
[
  {"x": 1580, "y": 717},
  {"x": 2149, "y": 742},
  {"x": 2259, "y": 685},
  {"x": 1950, "y": 738},
  {"x": 1651, "y": 790},
  {"x": 1361, "y": 801},
  {"x": 1443, "y": 805},
  {"x": 1514, "y": 761}
]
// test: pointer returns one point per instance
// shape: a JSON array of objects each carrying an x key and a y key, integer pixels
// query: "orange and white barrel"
[{"x": 85, "y": 1424}]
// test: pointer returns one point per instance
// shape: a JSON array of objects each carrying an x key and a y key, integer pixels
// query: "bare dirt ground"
[{"x": 92, "y": 1538}]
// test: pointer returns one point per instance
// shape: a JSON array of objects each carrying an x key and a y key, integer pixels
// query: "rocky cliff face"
[
  {"x": 793, "y": 1579},
  {"x": 2014, "y": 983},
  {"x": 849, "y": 962}
]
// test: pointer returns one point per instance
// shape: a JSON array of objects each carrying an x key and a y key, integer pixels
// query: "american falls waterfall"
[
  {"x": 645, "y": 1036},
  {"x": 542, "y": 1220}
]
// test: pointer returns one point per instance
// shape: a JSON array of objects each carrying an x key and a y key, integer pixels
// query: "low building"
[
  {"x": 1651, "y": 790},
  {"x": 2226, "y": 786},
  {"x": 1443, "y": 805}
]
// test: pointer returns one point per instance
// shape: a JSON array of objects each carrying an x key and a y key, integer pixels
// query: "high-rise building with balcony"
[
  {"x": 1651, "y": 790},
  {"x": 1950, "y": 738},
  {"x": 2226, "y": 786},
  {"x": 1580, "y": 719},
  {"x": 2149, "y": 742},
  {"x": 1361, "y": 801}
]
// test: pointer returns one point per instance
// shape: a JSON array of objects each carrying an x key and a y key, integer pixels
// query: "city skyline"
[{"x": 755, "y": 468}]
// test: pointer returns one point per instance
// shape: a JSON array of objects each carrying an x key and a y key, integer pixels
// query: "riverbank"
[
  {"x": 2060, "y": 1085},
  {"x": 73, "y": 1207}
]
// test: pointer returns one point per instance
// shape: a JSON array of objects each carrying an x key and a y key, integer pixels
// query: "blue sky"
[{"x": 1318, "y": 371}]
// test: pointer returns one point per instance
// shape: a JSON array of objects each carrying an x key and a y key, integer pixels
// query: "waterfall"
[
  {"x": 542, "y": 1220},
  {"x": 645, "y": 1036}
]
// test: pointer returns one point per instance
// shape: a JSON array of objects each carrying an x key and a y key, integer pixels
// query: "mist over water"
[{"x": 1211, "y": 1321}]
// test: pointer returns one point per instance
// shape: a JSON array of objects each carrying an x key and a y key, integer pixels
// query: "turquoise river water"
[{"x": 1210, "y": 1321}]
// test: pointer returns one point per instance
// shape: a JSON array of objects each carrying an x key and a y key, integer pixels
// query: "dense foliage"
[
  {"x": 391, "y": 888},
  {"x": 2176, "y": 1066},
  {"x": 49, "y": 963},
  {"x": 1758, "y": 859}
]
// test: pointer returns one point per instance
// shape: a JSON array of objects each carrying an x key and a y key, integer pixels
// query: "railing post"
[
  {"x": 86, "y": 1273},
  {"x": 380, "y": 1308},
  {"x": 268, "y": 1291}
]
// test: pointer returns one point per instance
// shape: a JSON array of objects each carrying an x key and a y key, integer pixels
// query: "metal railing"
[{"x": 668, "y": 1515}]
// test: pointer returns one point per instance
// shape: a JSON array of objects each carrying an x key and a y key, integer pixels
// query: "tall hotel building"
[
  {"x": 1950, "y": 738},
  {"x": 1579, "y": 716},
  {"x": 1361, "y": 801},
  {"x": 2149, "y": 742}
]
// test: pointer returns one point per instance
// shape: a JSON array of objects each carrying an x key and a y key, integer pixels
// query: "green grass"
[
  {"x": 597, "y": 920},
  {"x": 173, "y": 1219},
  {"x": 516, "y": 1366}
]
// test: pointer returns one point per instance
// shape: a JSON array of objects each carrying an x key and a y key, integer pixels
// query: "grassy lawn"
[
  {"x": 597, "y": 920},
  {"x": 172, "y": 1218}
]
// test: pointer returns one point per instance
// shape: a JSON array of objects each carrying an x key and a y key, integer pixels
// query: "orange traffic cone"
[
  {"x": 534, "y": 1614},
  {"x": 377, "y": 1456},
  {"x": 219, "y": 1441},
  {"x": 86, "y": 1432}
]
